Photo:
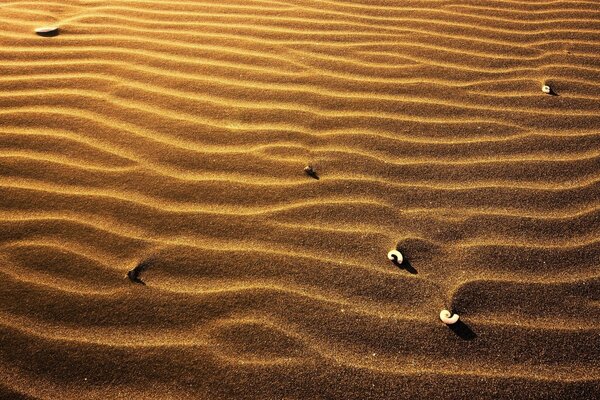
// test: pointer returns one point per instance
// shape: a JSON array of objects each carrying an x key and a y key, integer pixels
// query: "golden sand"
[{"x": 175, "y": 133}]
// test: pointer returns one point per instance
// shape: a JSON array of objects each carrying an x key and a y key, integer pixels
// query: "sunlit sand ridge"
[{"x": 174, "y": 133}]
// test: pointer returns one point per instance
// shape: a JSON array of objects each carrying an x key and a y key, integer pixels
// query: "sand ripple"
[{"x": 176, "y": 132}]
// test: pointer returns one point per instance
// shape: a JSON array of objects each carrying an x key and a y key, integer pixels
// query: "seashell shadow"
[
  {"x": 462, "y": 330},
  {"x": 134, "y": 274},
  {"x": 312, "y": 173},
  {"x": 406, "y": 265}
]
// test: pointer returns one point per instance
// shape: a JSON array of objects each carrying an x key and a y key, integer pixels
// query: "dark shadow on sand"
[
  {"x": 313, "y": 174},
  {"x": 552, "y": 91},
  {"x": 462, "y": 330},
  {"x": 134, "y": 274},
  {"x": 310, "y": 171},
  {"x": 406, "y": 265}
]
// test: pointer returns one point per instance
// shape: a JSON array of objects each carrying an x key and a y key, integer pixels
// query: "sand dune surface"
[{"x": 174, "y": 134}]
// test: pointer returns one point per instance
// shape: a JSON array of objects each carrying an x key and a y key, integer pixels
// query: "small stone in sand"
[
  {"x": 310, "y": 171},
  {"x": 448, "y": 318},
  {"x": 47, "y": 31}
]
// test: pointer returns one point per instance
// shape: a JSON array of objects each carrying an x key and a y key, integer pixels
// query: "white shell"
[
  {"x": 46, "y": 29},
  {"x": 546, "y": 89},
  {"x": 395, "y": 255},
  {"x": 447, "y": 317}
]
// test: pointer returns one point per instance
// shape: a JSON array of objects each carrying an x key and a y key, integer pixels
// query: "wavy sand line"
[{"x": 179, "y": 139}]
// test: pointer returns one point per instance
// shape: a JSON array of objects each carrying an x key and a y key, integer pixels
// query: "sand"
[{"x": 175, "y": 133}]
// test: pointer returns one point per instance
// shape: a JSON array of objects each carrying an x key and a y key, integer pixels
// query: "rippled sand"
[{"x": 175, "y": 133}]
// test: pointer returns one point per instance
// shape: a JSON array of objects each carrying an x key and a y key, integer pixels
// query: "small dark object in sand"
[
  {"x": 310, "y": 171},
  {"x": 47, "y": 31},
  {"x": 134, "y": 274}
]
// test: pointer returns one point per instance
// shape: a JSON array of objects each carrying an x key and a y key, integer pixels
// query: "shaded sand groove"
[{"x": 174, "y": 132}]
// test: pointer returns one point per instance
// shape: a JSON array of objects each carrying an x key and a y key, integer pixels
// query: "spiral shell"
[
  {"x": 448, "y": 318},
  {"x": 546, "y": 89},
  {"x": 396, "y": 256}
]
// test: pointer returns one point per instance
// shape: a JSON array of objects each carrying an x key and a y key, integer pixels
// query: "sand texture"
[{"x": 174, "y": 133}]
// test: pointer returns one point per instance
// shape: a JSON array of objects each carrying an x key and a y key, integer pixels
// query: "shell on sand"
[
  {"x": 448, "y": 318},
  {"x": 395, "y": 255},
  {"x": 168, "y": 138},
  {"x": 546, "y": 89},
  {"x": 46, "y": 30}
]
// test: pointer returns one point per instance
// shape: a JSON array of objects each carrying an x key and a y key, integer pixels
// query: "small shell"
[
  {"x": 448, "y": 318},
  {"x": 546, "y": 89},
  {"x": 396, "y": 256},
  {"x": 46, "y": 30}
]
